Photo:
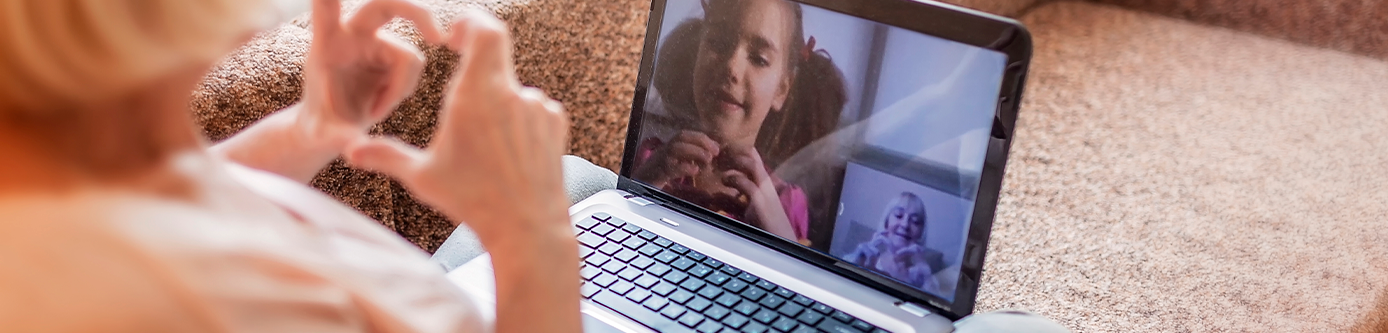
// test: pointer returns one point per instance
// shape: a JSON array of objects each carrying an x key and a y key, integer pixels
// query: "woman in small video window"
[
  {"x": 748, "y": 90},
  {"x": 897, "y": 250}
]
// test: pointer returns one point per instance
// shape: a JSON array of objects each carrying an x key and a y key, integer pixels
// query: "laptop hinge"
[{"x": 913, "y": 308}]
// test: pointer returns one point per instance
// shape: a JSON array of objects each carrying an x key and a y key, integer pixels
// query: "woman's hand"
[
  {"x": 747, "y": 173},
  {"x": 357, "y": 73},
  {"x": 495, "y": 164},
  {"x": 685, "y": 155}
]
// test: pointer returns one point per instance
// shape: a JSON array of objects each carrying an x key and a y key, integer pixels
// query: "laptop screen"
[{"x": 853, "y": 138}]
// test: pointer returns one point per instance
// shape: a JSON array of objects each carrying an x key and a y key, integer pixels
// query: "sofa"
[{"x": 1178, "y": 165}]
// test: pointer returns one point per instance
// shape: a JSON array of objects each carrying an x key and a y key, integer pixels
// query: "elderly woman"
[{"x": 117, "y": 216}]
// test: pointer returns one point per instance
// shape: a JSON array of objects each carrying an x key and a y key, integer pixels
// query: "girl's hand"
[
  {"x": 495, "y": 162},
  {"x": 747, "y": 174},
  {"x": 685, "y": 155},
  {"x": 356, "y": 73}
]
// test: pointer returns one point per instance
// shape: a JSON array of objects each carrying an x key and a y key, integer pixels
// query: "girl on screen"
[
  {"x": 745, "y": 89},
  {"x": 897, "y": 250}
]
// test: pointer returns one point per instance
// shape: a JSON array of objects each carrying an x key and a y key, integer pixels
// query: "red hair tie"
[{"x": 809, "y": 49}]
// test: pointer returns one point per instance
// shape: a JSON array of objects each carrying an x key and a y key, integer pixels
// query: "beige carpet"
[{"x": 1173, "y": 177}]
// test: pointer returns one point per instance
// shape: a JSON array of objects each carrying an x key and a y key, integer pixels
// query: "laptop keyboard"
[{"x": 670, "y": 288}]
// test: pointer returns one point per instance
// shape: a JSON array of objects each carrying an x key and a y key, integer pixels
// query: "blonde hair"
[{"x": 55, "y": 53}]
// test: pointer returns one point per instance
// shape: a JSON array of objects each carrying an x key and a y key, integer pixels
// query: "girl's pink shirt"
[
  {"x": 793, "y": 198},
  {"x": 115, "y": 261}
]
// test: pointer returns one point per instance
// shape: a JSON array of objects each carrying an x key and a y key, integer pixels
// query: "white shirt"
[{"x": 114, "y": 261}]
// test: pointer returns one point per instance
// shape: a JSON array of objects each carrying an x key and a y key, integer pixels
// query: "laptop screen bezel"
[{"x": 934, "y": 19}]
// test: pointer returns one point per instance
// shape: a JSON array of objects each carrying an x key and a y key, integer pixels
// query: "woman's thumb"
[{"x": 387, "y": 155}]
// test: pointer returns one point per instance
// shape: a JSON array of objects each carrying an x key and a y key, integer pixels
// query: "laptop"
[{"x": 802, "y": 166}]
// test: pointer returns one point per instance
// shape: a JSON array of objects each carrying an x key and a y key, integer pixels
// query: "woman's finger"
[
  {"x": 379, "y": 12},
  {"x": 387, "y": 155},
  {"x": 406, "y": 65},
  {"x": 486, "y": 66},
  {"x": 327, "y": 17}
]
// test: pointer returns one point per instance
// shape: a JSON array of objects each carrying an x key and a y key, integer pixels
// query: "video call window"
[{"x": 768, "y": 112}]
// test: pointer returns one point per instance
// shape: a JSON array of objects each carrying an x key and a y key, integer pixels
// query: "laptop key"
[
  {"x": 618, "y": 236},
  {"x": 662, "y": 242},
  {"x": 681, "y": 296},
  {"x": 755, "y": 327},
  {"x": 621, "y": 287},
  {"x": 590, "y": 272},
  {"x": 784, "y": 324},
  {"x": 764, "y": 284},
  {"x": 625, "y": 255},
  {"x": 700, "y": 271},
  {"x": 791, "y": 309},
  {"x": 696, "y": 256},
  {"x": 731, "y": 270},
  {"x": 861, "y": 325},
  {"x": 638, "y": 295},
  {"x": 597, "y": 259},
  {"x": 680, "y": 249},
  {"x": 682, "y": 264},
  {"x": 634, "y": 243},
  {"x": 672, "y": 311},
  {"x": 842, "y": 317},
  {"x": 666, "y": 256},
  {"x": 605, "y": 280},
  {"x": 601, "y": 216},
  {"x": 632, "y": 228},
  {"x": 691, "y": 319},
  {"x": 783, "y": 292},
  {"x": 655, "y": 303},
  {"x": 804, "y": 329},
  {"x": 613, "y": 266},
  {"x": 728, "y": 299},
  {"x": 602, "y": 229},
  {"x": 735, "y": 320},
  {"x": 616, "y": 222},
  {"x": 650, "y": 250},
  {"x": 638, "y": 313},
  {"x": 713, "y": 263},
  {"x": 765, "y": 316},
  {"x": 709, "y": 326},
  {"x": 717, "y": 312},
  {"x": 589, "y": 289},
  {"x": 646, "y": 235},
  {"x": 810, "y": 317},
  {"x": 675, "y": 276},
  {"x": 821, "y": 308},
  {"x": 735, "y": 286},
  {"x": 587, "y": 223},
  {"x": 802, "y": 300},
  {"x": 658, "y": 269},
  {"x": 642, "y": 262},
  {"x": 717, "y": 279},
  {"x": 692, "y": 284},
  {"x": 745, "y": 276},
  {"x": 772, "y": 302},
  {"x": 698, "y": 304},
  {"x": 664, "y": 288},
  {"x": 584, "y": 251},
  {"x": 711, "y": 292},
  {"x": 834, "y": 326},
  {"x": 609, "y": 248},
  {"x": 753, "y": 294},
  {"x": 747, "y": 308},
  {"x": 646, "y": 281},
  {"x": 591, "y": 240},
  {"x": 629, "y": 273}
]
